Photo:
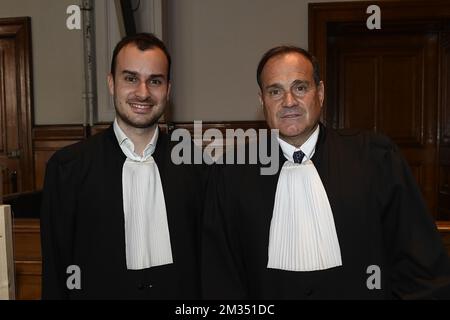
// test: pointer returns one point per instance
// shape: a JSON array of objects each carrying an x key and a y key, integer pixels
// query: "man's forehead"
[
  {"x": 293, "y": 66},
  {"x": 287, "y": 63},
  {"x": 149, "y": 61}
]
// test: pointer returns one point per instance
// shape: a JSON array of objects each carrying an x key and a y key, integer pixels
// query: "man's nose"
[
  {"x": 289, "y": 100},
  {"x": 142, "y": 91}
]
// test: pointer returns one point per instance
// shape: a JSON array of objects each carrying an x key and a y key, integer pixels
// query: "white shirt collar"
[
  {"x": 127, "y": 145},
  {"x": 308, "y": 148}
]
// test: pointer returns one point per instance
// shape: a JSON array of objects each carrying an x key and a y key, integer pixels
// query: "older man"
[{"x": 342, "y": 219}]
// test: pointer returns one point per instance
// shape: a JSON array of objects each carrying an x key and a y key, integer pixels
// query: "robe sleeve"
[
  {"x": 222, "y": 271},
  {"x": 52, "y": 234},
  {"x": 419, "y": 264}
]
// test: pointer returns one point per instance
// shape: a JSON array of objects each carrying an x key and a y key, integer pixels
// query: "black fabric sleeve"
[{"x": 419, "y": 264}]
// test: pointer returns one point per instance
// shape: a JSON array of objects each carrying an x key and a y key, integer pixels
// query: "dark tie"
[{"x": 298, "y": 156}]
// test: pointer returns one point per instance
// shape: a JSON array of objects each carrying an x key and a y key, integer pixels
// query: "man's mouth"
[
  {"x": 140, "y": 106},
  {"x": 291, "y": 116}
]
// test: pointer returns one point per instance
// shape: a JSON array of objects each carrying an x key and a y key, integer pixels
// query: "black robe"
[
  {"x": 82, "y": 224},
  {"x": 380, "y": 219}
]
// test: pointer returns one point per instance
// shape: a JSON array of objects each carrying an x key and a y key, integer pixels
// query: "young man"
[{"x": 119, "y": 220}]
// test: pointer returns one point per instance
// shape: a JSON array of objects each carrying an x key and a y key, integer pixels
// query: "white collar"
[
  {"x": 308, "y": 148},
  {"x": 127, "y": 145}
]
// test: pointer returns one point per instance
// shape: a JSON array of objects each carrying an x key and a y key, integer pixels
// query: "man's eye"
[
  {"x": 300, "y": 89},
  {"x": 155, "y": 82},
  {"x": 130, "y": 79},
  {"x": 274, "y": 92}
]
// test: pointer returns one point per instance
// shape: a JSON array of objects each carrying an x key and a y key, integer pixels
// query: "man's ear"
[
  {"x": 261, "y": 102},
  {"x": 111, "y": 84},
  {"x": 321, "y": 92},
  {"x": 169, "y": 87}
]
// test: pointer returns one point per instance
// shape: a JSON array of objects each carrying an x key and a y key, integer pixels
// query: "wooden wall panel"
[
  {"x": 28, "y": 280},
  {"x": 401, "y": 96},
  {"x": 365, "y": 67},
  {"x": 47, "y": 140},
  {"x": 27, "y": 258}
]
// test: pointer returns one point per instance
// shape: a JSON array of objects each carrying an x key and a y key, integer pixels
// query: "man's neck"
[
  {"x": 299, "y": 140},
  {"x": 140, "y": 137}
]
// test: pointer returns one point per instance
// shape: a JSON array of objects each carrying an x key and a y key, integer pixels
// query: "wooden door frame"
[{"x": 20, "y": 29}]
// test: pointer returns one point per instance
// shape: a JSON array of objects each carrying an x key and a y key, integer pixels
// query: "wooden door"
[
  {"x": 15, "y": 105},
  {"x": 388, "y": 82}
]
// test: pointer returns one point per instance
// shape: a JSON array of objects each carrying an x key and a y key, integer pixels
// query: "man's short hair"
[
  {"x": 143, "y": 41},
  {"x": 282, "y": 50}
]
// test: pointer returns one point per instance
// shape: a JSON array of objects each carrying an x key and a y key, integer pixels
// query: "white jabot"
[
  {"x": 147, "y": 238},
  {"x": 302, "y": 231}
]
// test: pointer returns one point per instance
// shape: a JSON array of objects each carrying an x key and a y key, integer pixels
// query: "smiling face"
[
  {"x": 140, "y": 86},
  {"x": 291, "y": 100}
]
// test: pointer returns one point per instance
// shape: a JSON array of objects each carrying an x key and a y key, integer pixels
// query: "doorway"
[{"x": 15, "y": 105}]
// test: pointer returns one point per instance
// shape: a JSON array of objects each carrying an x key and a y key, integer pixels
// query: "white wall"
[
  {"x": 216, "y": 46},
  {"x": 148, "y": 17},
  {"x": 57, "y": 59}
]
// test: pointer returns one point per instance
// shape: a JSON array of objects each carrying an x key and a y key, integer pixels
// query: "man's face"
[
  {"x": 140, "y": 86},
  {"x": 292, "y": 102}
]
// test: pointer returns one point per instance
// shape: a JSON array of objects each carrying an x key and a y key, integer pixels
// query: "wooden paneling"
[
  {"x": 28, "y": 280},
  {"x": 402, "y": 94},
  {"x": 47, "y": 140},
  {"x": 366, "y": 66},
  {"x": 27, "y": 258}
]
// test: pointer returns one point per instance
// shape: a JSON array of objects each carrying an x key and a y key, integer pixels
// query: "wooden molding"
[{"x": 59, "y": 132}]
